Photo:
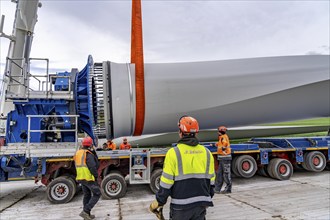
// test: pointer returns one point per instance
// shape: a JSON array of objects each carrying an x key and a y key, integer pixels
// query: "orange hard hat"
[
  {"x": 87, "y": 142},
  {"x": 222, "y": 128},
  {"x": 188, "y": 124}
]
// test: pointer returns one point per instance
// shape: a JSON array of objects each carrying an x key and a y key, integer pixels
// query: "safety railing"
[
  {"x": 18, "y": 79},
  {"x": 38, "y": 84},
  {"x": 75, "y": 129}
]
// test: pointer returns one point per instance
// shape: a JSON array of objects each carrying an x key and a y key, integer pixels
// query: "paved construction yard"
[{"x": 305, "y": 196}]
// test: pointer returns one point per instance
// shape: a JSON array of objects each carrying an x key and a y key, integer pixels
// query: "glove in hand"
[
  {"x": 157, "y": 209},
  {"x": 154, "y": 206}
]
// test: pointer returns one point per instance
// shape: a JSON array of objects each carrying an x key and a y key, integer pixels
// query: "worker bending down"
[
  {"x": 188, "y": 176},
  {"x": 224, "y": 157},
  {"x": 111, "y": 145},
  {"x": 87, "y": 163}
]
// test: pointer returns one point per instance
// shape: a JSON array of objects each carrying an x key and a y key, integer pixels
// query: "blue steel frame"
[
  {"x": 17, "y": 122},
  {"x": 84, "y": 98}
]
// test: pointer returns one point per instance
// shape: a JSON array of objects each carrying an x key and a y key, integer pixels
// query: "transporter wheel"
[
  {"x": 61, "y": 190},
  {"x": 270, "y": 168},
  {"x": 315, "y": 161},
  {"x": 155, "y": 179},
  {"x": 246, "y": 166},
  {"x": 234, "y": 167},
  {"x": 297, "y": 166},
  {"x": 327, "y": 167},
  {"x": 281, "y": 169},
  {"x": 304, "y": 164},
  {"x": 262, "y": 171},
  {"x": 76, "y": 185},
  {"x": 113, "y": 186}
]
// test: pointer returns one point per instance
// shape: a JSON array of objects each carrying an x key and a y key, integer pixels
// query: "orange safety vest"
[
  {"x": 112, "y": 146},
  {"x": 224, "y": 143},
  {"x": 83, "y": 173},
  {"x": 126, "y": 146}
]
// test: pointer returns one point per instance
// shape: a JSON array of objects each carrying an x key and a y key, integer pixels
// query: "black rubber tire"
[
  {"x": 262, "y": 171},
  {"x": 252, "y": 163},
  {"x": 319, "y": 157},
  {"x": 327, "y": 167},
  {"x": 234, "y": 167},
  {"x": 304, "y": 164},
  {"x": 60, "y": 190},
  {"x": 297, "y": 166},
  {"x": 270, "y": 168},
  {"x": 73, "y": 180},
  {"x": 117, "y": 181},
  {"x": 282, "y": 169},
  {"x": 155, "y": 179},
  {"x": 75, "y": 184}
]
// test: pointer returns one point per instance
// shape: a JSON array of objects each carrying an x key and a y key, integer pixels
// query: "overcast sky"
[{"x": 174, "y": 31}]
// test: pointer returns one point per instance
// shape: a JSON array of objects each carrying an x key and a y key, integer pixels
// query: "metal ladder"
[{"x": 139, "y": 166}]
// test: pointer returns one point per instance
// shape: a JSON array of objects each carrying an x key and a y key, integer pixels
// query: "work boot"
[{"x": 85, "y": 215}]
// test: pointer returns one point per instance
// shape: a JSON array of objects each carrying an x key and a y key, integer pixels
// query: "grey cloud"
[
  {"x": 177, "y": 31},
  {"x": 313, "y": 53},
  {"x": 107, "y": 16},
  {"x": 214, "y": 28},
  {"x": 321, "y": 50}
]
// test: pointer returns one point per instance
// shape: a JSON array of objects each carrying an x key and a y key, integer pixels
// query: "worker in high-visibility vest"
[
  {"x": 224, "y": 157},
  {"x": 125, "y": 145},
  {"x": 111, "y": 145},
  {"x": 188, "y": 176},
  {"x": 87, "y": 164}
]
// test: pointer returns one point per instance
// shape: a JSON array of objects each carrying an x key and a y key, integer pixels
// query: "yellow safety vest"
[
  {"x": 83, "y": 173},
  {"x": 184, "y": 163}
]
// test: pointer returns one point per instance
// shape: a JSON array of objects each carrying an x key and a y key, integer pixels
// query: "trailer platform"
[{"x": 305, "y": 196}]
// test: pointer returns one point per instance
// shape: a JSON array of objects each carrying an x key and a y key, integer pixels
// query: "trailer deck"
[
  {"x": 53, "y": 164},
  {"x": 305, "y": 196}
]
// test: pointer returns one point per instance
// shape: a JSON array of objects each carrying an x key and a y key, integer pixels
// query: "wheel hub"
[
  {"x": 113, "y": 186},
  {"x": 282, "y": 169},
  {"x": 316, "y": 161},
  {"x": 60, "y": 191},
  {"x": 246, "y": 165}
]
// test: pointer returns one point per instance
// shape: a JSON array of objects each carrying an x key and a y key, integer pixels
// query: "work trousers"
[
  {"x": 195, "y": 213},
  {"x": 223, "y": 175},
  {"x": 92, "y": 194}
]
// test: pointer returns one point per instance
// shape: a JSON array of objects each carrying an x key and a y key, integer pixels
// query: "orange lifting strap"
[{"x": 137, "y": 59}]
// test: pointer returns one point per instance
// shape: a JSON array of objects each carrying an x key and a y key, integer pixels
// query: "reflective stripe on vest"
[
  {"x": 167, "y": 180},
  {"x": 83, "y": 173},
  {"x": 165, "y": 185},
  {"x": 182, "y": 176},
  {"x": 168, "y": 176},
  {"x": 191, "y": 200}
]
